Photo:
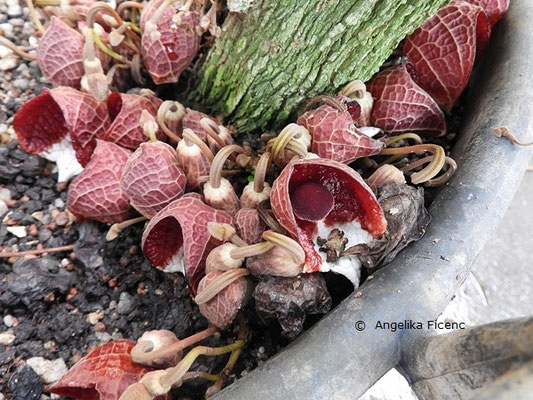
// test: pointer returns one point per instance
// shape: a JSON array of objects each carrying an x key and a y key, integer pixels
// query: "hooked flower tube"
[{"x": 317, "y": 198}]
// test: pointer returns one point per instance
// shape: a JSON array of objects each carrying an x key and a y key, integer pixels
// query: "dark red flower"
[
  {"x": 125, "y": 111},
  {"x": 335, "y": 136},
  {"x": 443, "y": 50},
  {"x": 493, "y": 8},
  {"x": 95, "y": 193},
  {"x": 60, "y": 54},
  {"x": 152, "y": 179},
  {"x": 50, "y": 117},
  {"x": 402, "y": 106},
  {"x": 353, "y": 202},
  {"x": 103, "y": 374},
  {"x": 168, "y": 46},
  {"x": 176, "y": 239}
]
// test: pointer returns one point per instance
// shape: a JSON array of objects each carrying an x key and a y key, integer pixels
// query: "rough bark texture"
[{"x": 277, "y": 55}]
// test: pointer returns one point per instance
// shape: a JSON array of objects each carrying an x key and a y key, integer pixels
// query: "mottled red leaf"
[
  {"x": 493, "y": 8},
  {"x": 152, "y": 179},
  {"x": 60, "y": 54},
  {"x": 249, "y": 225},
  {"x": 402, "y": 106},
  {"x": 178, "y": 234},
  {"x": 443, "y": 50},
  {"x": 168, "y": 47},
  {"x": 95, "y": 193},
  {"x": 49, "y": 117},
  {"x": 335, "y": 136},
  {"x": 125, "y": 111},
  {"x": 354, "y": 201},
  {"x": 103, "y": 374}
]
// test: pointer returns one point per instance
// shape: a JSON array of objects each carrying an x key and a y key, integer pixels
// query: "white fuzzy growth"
[
  {"x": 177, "y": 263},
  {"x": 63, "y": 154},
  {"x": 350, "y": 267}
]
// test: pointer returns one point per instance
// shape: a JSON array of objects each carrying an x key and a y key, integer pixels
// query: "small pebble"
[
  {"x": 3, "y": 207},
  {"x": 49, "y": 371},
  {"x": 99, "y": 327},
  {"x": 58, "y": 203},
  {"x": 61, "y": 219},
  {"x": 5, "y": 194},
  {"x": 18, "y": 231},
  {"x": 33, "y": 230},
  {"x": 9, "y": 320},
  {"x": 103, "y": 336},
  {"x": 6, "y": 338},
  {"x": 94, "y": 317}
]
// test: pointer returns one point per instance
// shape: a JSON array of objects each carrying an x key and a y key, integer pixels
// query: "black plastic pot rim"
[{"x": 333, "y": 359}]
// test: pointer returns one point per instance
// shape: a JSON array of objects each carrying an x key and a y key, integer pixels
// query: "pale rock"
[
  {"x": 5, "y": 194},
  {"x": 49, "y": 371},
  {"x": 8, "y": 64},
  {"x": 3, "y": 207},
  {"x": 6, "y": 338},
  {"x": 9, "y": 320},
  {"x": 18, "y": 231}
]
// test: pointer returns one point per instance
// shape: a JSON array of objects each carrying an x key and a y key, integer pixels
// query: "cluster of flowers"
[{"x": 305, "y": 211}]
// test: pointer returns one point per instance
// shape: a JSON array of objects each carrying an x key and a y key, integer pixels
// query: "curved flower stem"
[
  {"x": 450, "y": 162},
  {"x": 263, "y": 165},
  {"x": 354, "y": 89},
  {"x": 224, "y": 232},
  {"x": 173, "y": 112},
  {"x": 433, "y": 167},
  {"x": 142, "y": 352},
  {"x": 330, "y": 101},
  {"x": 119, "y": 227},
  {"x": 287, "y": 243},
  {"x": 219, "y": 284},
  {"x": 503, "y": 131},
  {"x": 215, "y": 173},
  {"x": 175, "y": 374},
  {"x": 128, "y": 4},
  {"x": 297, "y": 148},
  {"x": 107, "y": 9},
  {"x": 251, "y": 250},
  {"x": 267, "y": 217},
  {"x": 234, "y": 356},
  {"x": 110, "y": 52},
  {"x": 37, "y": 252},
  {"x": 213, "y": 130},
  {"x": 135, "y": 67},
  {"x": 35, "y": 17},
  {"x": 403, "y": 136},
  {"x": 192, "y": 138},
  {"x": 279, "y": 143},
  {"x": 199, "y": 374},
  {"x": 17, "y": 50}
]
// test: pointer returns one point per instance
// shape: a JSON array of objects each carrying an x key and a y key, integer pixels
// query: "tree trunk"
[{"x": 270, "y": 60}]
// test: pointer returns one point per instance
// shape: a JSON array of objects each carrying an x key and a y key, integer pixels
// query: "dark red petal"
[
  {"x": 49, "y": 117},
  {"x": 167, "y": 53},
  {"x": 311, "y": 201},
  {"x": 493, "y": 8},
  {"x": 353, "y": 201},
  {"x": 443, "y": 50},
  {"x": 114, "y": 105},
  {"x": 184, "y": 221},
  {"x": 400, "y": 105},
  {"x": 125, "y": 130},
  {"x": 103, "y": 374},
  {"x": 39, "y": 123},
  {"x": 60, "y": 54},
  {"x": 95, "y": 193}
]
